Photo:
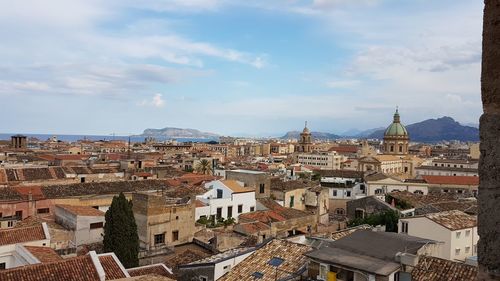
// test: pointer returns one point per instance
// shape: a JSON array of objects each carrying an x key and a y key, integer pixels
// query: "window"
[
  {"x": 262, "y": 188},
  {"x": 43, "y": 211},
  {"x": 19, "y": 214},
  {"x": 334, "y": 193},
  {"x": 252, "y": 209},
  {"x": 467, "y": 249},
  {"x": 378, "y": 191},
  {"x": 96, "y": 225},
  {"x": 359, "y": 213},
  {"x": 404, "y": 227},
  {"x": 10, "y": 223},
  {"x": 2, "y": 265},
  {"x": 240, "y": 209},
  {"x": 400, "y": 148},
  {"x": 467, "y": 233},
  {"x": 219, "y": 212},
  {"x": 175, "y": 235},
  {"x": 203, "y": 278},
  {"x": 348, "y": 193},
  {"x": 339, "y": 211},
  {"x": 160, "y": 239},
  {"x": 229, "y": 211},
  {"x": 82, "y": 179},
  {"x": 227, "y": 268},
  {"x": 292, "y": 198},
  {"x": 458, "y": 233},
  {"x": 219, "y": 193},
  {"x": 457, "y": 251},
  {"x": 392, "y": 148}
]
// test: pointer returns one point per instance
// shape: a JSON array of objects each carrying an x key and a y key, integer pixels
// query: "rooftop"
[
  {"x": 154, "y": 269},
  {"x": 453, "y": 220},
  {"x": 112, "y": 267},
  {"x": 79, "y": 268},
  {"x": 452, "y": 180},
  {"x": 44, "y": 254},
  {"x": 85, "y": 211},
  {"x": 290, "y": 253},
  {"x": 21, "y": 235},
  {"x": 436, "y": 269},
  {"x": 236, "y": 187}
]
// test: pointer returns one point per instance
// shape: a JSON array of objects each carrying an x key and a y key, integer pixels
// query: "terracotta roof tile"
[
  {"x": 21, "y": 235},
  {"x": 85, "y": 211},
  {"x": 111, "y": 267},
  {"x": 453, "y": 220},
  {"x": 73, "y": 269},
  {"x": 436, "y": 269},
  {"x": 453, "y": 180},
  {"x": 44, "y": 254},
  {"x": 156, "y": 269},
  {"x": 291, "y": 253}
]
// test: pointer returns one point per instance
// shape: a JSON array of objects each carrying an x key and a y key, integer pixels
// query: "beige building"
[
  {"x": 305, "y": 143},
  {"x": 260, "y": 181},
  {"x": 162, "y": 222},
  {"x": 455, "y": 229},
  {"x": 322, "y": 160}
]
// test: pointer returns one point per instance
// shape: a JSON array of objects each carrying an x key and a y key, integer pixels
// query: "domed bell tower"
[{"x": 396, "y": 137}]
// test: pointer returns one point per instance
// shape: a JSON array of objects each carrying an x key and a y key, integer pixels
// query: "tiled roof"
[
  {"x": 184, "y": 257},
  {"x": 348, "y": 231},
  {"x": 111, "y": 268},
  {"x": 8, "y": 194},
  {"x": 453, "y": 220},
  {"x": 44, "y": 254},
  {"x": 291, "y": 253},
  {"x": 419, "y": 200},
  {"x": 73, "y": 269},
  {"x": 251, "y": 227},
  {"x": 21, "y": 235},
  {"x": 278, "y": 184},
  {"x": 236, "y": 187},
  {"x": 25, "y": 191},
  {"x": 436, "y": 269},
  {"x": 97, "y": 188},
  {"x": 156, "y": 269},
  {"x": 452, "y": 180},
  {"x": 345, "y": 149},
  {"x": 287, "y": 213},
  {"x": 199, "y": 204},
  {"x": 85, "y": 211},
  {"x": 341, "y": 174}
]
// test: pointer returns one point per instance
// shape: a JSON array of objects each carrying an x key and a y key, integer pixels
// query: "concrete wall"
[
  {"x": 154, "y": 216},
  {"x": 252, "y": 180}
]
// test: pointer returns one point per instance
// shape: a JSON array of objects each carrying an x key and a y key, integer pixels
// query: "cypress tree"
[{"x": 120, "y": 232}]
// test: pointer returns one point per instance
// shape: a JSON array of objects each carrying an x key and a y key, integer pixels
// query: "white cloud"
[{"x": 155, "y": 101}]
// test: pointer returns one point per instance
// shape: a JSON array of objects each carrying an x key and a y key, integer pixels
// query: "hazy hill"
[
  {"x": 315, "y": 135},
  {"x": 170, "y": 132},
  {"x": 434, "y": 130}
]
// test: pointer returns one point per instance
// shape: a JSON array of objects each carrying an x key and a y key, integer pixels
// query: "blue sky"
[{"x": 236, "y": 67}]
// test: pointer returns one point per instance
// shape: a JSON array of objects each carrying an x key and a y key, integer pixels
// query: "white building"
[
  {"x": 225, "y": 199},
  {"x": 322, "y": 160},
  {"x": 380, "y": 184},
  {"x": 86, "y": 222},
  {"x": 15, "y": 243},
  {"x": 457, "y": 230}
]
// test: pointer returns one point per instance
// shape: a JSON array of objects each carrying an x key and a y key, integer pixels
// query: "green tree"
[
  {"x": 388, "y": 218},
  {"x": 120, "y": 232},
  {"x": 204, "y": 167}
]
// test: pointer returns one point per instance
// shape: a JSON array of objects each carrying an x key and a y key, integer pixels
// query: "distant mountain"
[
  {"x": 366, "y": 133},
  {"x": 434, "y": 130},
  {"x": 177, "y": 133},
  {"x": 315, "y": 135}
]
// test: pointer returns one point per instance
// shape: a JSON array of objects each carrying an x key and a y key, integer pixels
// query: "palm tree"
[{"x": 204, "y": 167}]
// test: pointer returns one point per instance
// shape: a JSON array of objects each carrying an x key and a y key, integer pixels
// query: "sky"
[{"x": 236, "y": 67}]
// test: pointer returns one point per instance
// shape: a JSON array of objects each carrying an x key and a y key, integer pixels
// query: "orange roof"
[
  {"x": 143, "y": 174},
  {"x": 85, "y": 211},
  {"x": 199, "y": 204},
  {"x": 154, "y": 269},
  {"x": 44, "y": 254},
  {"x": 236, "y": 187},
  {"x": 36, "y": 191},
  {"x": 111, "y": 268},
  {"x": 454, "y": 180},
  {"x": 21, "y": 235},
  {"x": 253, "y": 227},
  {"x": 78, "y": 268}
]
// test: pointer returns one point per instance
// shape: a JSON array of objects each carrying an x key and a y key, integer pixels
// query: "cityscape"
[{"x": 213, "y": 140}]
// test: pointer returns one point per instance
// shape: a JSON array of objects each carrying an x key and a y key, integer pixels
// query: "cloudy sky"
[{"x": 259, "y": 67}]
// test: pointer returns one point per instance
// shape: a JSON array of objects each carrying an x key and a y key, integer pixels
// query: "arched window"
[{"x": 339, "y": 211}]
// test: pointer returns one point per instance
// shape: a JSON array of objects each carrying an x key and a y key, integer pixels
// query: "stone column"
[{"x": 489, "y": 163}]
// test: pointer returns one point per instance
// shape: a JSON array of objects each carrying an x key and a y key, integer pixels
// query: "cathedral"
[{"x": 396, "y": 138}]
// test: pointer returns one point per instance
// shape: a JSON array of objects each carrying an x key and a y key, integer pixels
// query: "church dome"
[{"x": 396, "y": 129}]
